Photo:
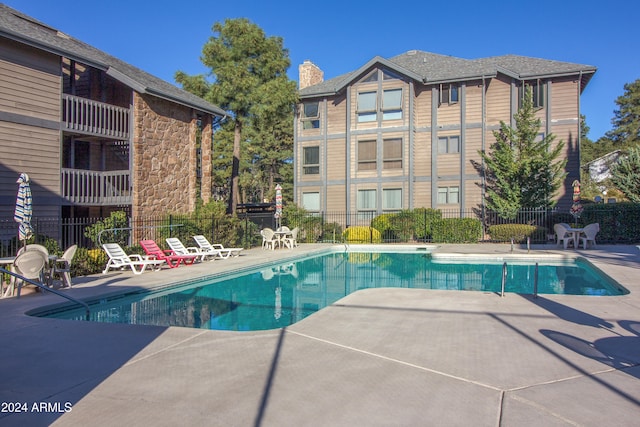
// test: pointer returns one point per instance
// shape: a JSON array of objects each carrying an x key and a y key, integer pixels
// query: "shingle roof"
[
  {"x": 427, "y": 68},
  {"x": 25, "y": 29}
]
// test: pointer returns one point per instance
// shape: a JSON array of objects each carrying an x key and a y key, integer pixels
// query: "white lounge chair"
[
  {"x": 205, "y": 245},
  {"x": 176, "y": 246},
  {"x": 119, "y": 259},
  {"x": 588, "y": 235}
]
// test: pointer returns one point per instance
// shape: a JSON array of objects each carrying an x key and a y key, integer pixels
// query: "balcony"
[
  {"x": 87, "y": 117},
  {"x": 94, "y": 188}
]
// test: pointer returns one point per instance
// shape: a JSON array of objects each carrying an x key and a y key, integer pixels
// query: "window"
[
  {"x": 367, "y": 107},
  {"x": 367, "y": 155},
  {"x": 366, "y": 200},
  {"x": 449, "y": 93},
  {"x": 311, "y": 202},
  {"x": 310, "y": 115},
  {"x": 392, "y": 199},
  {"x": 448, "y": 195},
  {"x": 448, "y": 144},
  {"x": 392, "y": 153},
  {"x": 537, "y": 88},
  {"x": 392, "y": 104},
  {"x": 311, "y": 160}
]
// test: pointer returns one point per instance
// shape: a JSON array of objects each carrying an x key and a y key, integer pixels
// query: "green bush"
[
  {"x": 117, "y": 220},
  {"x": 383, "y": 223},
  {"x": 457, "y": 230},
  {"x": 423, "y": 221},
  {"x": 517, "y": 232},
  {"x": 362, "y": 234}
]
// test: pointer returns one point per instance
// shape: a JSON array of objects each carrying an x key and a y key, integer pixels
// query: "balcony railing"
[
  {"x": 83, "y": 187},
  {"x": 94, "y": 118}
]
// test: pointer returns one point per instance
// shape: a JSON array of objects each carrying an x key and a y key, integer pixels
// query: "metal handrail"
[
  {"x": 504, "y": 278},
  {"x": 40, "y": 285}
]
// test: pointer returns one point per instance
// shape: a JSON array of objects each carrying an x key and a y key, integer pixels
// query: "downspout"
[
  {"x": 411, "y": 145},
  {"x": 347, "y": 163},
  {"x": 579, "y": 124},
  {"x": 484, "y": 139}
]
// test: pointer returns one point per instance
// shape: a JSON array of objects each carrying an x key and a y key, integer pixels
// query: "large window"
[
  {"x": 311, "y": 160},
  {"x": 449, "y": 93},
  {"x": 367, "y": 155},
  {"x": 448, "y": 144},
  {"x": 310, "y": 115},
  {"x": 311, "y": 202},
  {"x": 390, "y": 105},
  {"x": 366, "y": 200},
  {"x": 367, "y": 106},
  {"x": 448, "y": 195},
  {"x": 392, "y": 153},
  {"x": 392, "y": 199}
]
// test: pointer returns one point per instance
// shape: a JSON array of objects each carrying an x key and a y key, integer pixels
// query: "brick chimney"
[{"x": 309, "y": 74}]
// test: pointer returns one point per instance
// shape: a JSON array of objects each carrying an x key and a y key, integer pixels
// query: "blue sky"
[{"x": 162, "y": 37}]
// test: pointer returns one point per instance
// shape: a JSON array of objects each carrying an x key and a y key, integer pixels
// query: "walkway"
[{"x": 378, "y": 357}]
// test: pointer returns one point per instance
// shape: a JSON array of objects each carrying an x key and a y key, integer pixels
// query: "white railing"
[
  {"x": 85, "y": 187},
  {"x": 94, "y": 118}
]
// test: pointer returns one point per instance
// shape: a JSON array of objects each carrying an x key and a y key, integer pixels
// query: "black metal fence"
[{"x": 618, "y": 224}]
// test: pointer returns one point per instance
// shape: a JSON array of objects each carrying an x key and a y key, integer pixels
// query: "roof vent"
[{"x": 412, "y": 52}]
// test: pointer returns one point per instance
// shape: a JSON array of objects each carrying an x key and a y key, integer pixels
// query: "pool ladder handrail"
[
  {"x": 45, "y": 288},
  {"x": 504, "y": 280}
]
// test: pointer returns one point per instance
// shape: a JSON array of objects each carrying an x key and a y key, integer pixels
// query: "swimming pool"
[{"x": 282, "y": 294}]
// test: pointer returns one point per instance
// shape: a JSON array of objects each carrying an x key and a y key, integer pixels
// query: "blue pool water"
[{"x": 281, "y": 295}]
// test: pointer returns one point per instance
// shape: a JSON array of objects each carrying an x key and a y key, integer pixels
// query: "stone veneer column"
[
  {"x": 207, "y": 159},
  {"x": 164, "y": 157}
]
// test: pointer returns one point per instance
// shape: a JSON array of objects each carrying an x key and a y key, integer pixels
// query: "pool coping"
[{"x": 370, "y": 350}]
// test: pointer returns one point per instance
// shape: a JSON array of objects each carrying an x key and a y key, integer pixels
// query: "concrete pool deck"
[{"x": 401, "y": 357}]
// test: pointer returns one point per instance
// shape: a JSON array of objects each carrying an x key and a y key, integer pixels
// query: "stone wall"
[{"x": 164, "y": 157}]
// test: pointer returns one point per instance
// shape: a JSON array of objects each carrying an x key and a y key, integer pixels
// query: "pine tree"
[
  {"x": 522, "y": 170},
  {"x": 626, "y": 121},
  {"x": 250, "y": 82},
  {"x": 626, "y": 175}
]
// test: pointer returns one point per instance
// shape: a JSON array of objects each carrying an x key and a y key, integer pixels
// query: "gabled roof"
[
  {"x": 432, "y": 68},
  {"x": 27, "y": 30}
]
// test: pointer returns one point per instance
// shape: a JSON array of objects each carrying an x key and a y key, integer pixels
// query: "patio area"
[{"x": 376, "y": 357}]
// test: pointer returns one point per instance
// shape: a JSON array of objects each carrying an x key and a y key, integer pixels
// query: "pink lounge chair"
[{"x": 173, "y": 260}]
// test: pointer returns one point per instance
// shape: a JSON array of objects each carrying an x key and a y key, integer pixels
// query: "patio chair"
[
  {"x": 291, "y": 241},
  {"x": 269, "y": 238},
  {"x": 223, "y": 252},
  {"x": 176, "y": 246},
  {"x": 173, "y": 260},
  {"x": 62, "y": 266},
  {"x": 30, "y": 264},
  {"x": 588, "y": 235},
  {"x": 563, "y": 235},
  {"x": 119, "y": 259}
]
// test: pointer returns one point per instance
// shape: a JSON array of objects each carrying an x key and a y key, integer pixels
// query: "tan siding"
[
  {"x": 422, "y": 194},
  {"x": 473, "y": 95},
  {"x": 423, "y": 107},
  {"x": 499, "y": 101},
  {"x": 336, "y": 159},
  {"x": 336, "y": 196},
  {"x": 564, "y": 100},
  {"x": 422, "y": 155},
  {"x": 34, "y": 151},
  {"x": 449, "y": 114},
  {"x": 336, "y": 115},
  {"x": 473, "y": 144},
  {"x": 28, "y": 91}
]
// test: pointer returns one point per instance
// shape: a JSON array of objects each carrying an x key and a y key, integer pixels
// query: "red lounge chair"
[{"x": 173, "y": 260}]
